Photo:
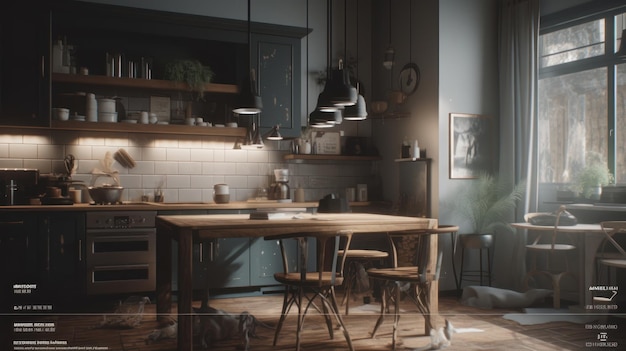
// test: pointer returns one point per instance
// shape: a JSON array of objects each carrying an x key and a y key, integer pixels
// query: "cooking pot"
[{"x": 106, "y": 194}]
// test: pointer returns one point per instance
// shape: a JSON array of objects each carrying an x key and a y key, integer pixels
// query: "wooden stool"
[
  {"x": 365, "y": 257},
  {"x": 478, "y": 242}
]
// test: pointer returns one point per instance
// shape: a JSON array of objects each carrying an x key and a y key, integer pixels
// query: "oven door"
[{"x": 121, "y": 260}]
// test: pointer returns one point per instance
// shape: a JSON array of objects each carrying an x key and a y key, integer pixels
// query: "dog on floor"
[{"x": 213, "y": 325}]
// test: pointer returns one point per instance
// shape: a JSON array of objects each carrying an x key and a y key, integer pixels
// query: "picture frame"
[{"x": 471, "y": 145}]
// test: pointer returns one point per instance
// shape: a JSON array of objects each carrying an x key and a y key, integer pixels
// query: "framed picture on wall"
[{"x": 471, "y": 145}]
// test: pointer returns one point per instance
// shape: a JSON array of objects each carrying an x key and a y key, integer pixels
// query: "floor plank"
[{"x": 497, "y": 333}]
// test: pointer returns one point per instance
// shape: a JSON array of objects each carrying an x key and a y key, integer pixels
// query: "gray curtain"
[{"x": 518, "y": 47}]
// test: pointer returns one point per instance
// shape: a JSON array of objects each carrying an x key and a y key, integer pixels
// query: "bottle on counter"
[{"x": 415, "y": 150}]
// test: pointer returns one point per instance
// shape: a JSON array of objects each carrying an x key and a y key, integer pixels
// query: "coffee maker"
[{"x": 279, "y": 190}]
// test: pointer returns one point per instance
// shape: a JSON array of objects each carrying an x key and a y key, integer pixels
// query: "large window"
[{"x": 581, "y": 95}]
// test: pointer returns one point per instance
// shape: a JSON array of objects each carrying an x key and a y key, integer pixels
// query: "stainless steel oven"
[{"x": 120, "y": 252}]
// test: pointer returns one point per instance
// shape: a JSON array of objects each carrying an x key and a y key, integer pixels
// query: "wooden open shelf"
[
  {"x": 330, "y": 157},
  {"x": 149, "y": 128},
  {"x": 139, "y": 83}
]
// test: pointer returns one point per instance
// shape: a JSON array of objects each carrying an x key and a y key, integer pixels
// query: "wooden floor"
[{"x": 496, "y": 333}]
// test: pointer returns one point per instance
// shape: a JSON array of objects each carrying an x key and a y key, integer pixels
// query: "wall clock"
[{"x": 409, "y": 78}]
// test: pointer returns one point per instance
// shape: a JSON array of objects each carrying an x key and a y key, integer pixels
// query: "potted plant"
[
  {"x": 192, "y": 72},
  {"x": 589, "y": 181},
  {"x": 487, "y": 203}
]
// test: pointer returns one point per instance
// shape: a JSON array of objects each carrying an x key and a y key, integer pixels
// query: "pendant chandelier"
[
  {"x": 338, "y": 92},
  {"x": 249, "y": 102}
]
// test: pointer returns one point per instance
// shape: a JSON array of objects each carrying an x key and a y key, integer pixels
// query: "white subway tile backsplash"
[
  {"x": 44, "y": 166},
  {"x": 142, "y": 167},
  {"x": 178, "y": 154},
  {"x": 177, "y": 181},
  {"x": 154, "y": 154},
  {"x": 22, "y": 151},
  {"x": 250, "y": 169},
  {"x": 236, "y": 155},
  {"x": 50, "y": 151},
  {"x": 186, "y": 168},
  {"x": 190, "y": 168},
  {"x": 190, "y": 195},
  {"x": 4, "y": 150},
  {"x": 166, "y": 168},
  {"x": 204, "y": 155}
]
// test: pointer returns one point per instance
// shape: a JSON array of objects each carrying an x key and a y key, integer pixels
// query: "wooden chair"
[
  {"x": 303, "y": 287},
  {"x": 414, "y": 280},
  {"x": 364, "y": 256},
  {"x": 549, "y": 251},
  {"x": 612, "y": 260}
]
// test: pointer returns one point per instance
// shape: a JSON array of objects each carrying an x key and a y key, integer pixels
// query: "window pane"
[
  {"x": 572, "y": 123},
  {"x": 574, "y": 43},
  {"x": 620, "y": 123},
  {"x": 620, "y": 27}
]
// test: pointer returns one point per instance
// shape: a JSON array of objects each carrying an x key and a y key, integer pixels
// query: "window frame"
[{"x": 583, "y": 14}]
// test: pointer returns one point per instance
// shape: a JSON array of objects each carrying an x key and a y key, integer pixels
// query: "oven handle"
[
  {"x": 121, "y": 231},
  {"x": 110, "y": 238}
]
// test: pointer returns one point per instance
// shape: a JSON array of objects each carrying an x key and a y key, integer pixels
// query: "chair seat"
[
  {"x": 364, "y": 254},
  {"x": 311, "y": 279},
  {"x": 548, "y": 247},
  {"x": 614, "y": 263},
  {"x": 404, "y": 274}
]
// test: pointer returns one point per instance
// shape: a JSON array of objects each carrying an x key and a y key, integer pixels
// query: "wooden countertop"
[{"x": 167, "y": 206}]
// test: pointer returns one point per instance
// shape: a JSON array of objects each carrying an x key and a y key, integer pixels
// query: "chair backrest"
[
  {"x": 610, "y": 228},
  {"x": 425, "y": 271},
  {"x": 327, "y": 247}
]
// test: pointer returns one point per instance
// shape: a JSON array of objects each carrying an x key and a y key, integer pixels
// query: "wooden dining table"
[{"x": 186, "y": 228}]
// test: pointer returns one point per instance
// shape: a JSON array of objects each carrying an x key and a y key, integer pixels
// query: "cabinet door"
[
  {"x": 18, "y": 256},
  {"x": 24, "y": 65},
  {"x": 266, "y": 259},
  {"x": 63, "y": 242},
  {"x": 277, "y": 64}
]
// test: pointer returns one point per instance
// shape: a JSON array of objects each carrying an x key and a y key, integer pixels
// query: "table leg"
[
  {"x": 185, "y": 291},
  {"x": 164, "y": 276}
]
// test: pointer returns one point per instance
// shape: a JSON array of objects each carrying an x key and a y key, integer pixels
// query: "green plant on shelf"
[
  {"x": 192, "y": 72},
  {"x": 592, "y": 177}
]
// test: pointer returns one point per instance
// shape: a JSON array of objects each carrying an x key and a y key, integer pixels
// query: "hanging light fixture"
[
  {"x": 338, "y": 92},
  {"x": 274, "y": 134},
  {"x": 390, "y": 53},
  {"x": 257, "y": 140},
  {"x": 249, "y": 102},
  {"x": 358, "y": 111}
]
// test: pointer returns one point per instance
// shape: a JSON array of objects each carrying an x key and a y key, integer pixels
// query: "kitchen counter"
[{"x": 165, "y": 206}]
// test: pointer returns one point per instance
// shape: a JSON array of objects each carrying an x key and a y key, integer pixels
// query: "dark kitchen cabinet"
[
  {"x": 276, "y": 59},
  {"x": 25, "y": 64},
  {"x": 62, "y": 251},
  {"x": 18, "y": 257}
]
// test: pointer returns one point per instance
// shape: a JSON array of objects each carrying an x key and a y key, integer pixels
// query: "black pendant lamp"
[
  {"x": 358, "y": 111},
  {"x": 338, "y": 92},
  {"x": 249, "y": 102}
]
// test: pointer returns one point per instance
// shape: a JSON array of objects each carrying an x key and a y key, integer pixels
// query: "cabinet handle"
[
  {"x": 211, "y": 252},
  {"x": 201, "y": 252},
  {"x": 11, "y": 223},
  {"x": 80, "y": 250},
  {"x": 43, "y": 66}
]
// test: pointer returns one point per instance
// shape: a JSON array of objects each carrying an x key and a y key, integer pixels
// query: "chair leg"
[
  {"x": 480, "y": 265},
  {"x": 287, "y": 301},
  {"x": 396, "y": 316},
  {"x": 383, "y": 307},
  {"x": 462, "y": 265},
  {"x": 335, "y": 308},
  {"x": 489, "y": 266}
]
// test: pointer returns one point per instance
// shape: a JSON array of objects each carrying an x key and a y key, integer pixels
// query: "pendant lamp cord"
[
  {"x": 307, "y": 64},
  {"x": 391, "y": 70},
  {"x": 250, "y": 70},
  {"x": 329, "y": 38}
]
